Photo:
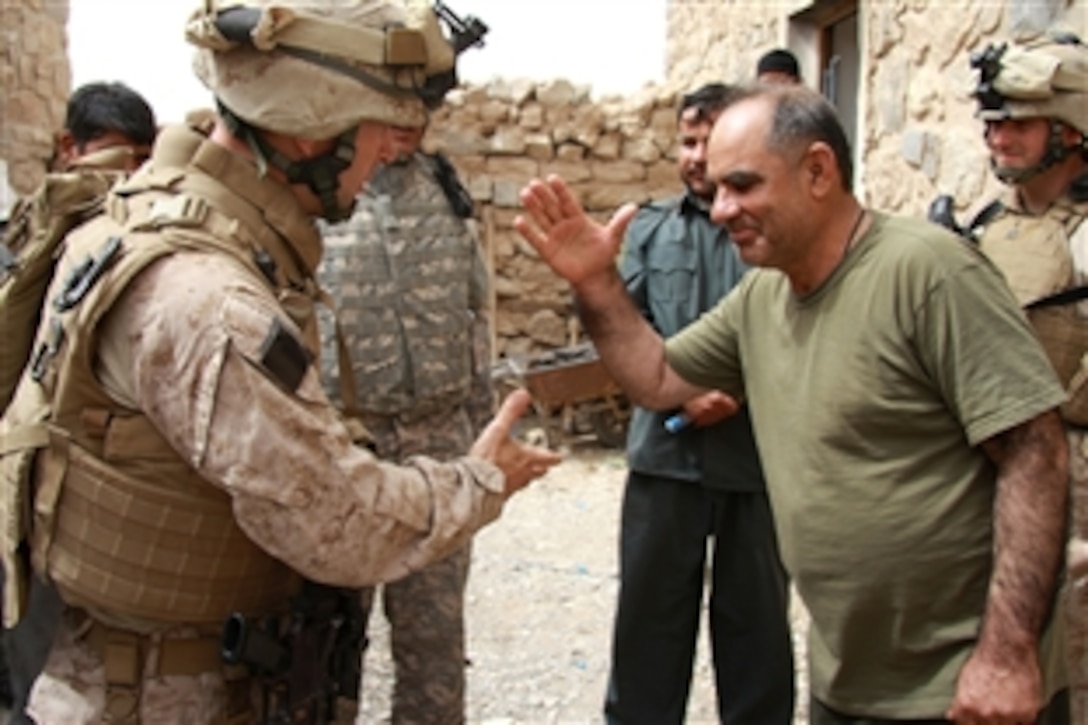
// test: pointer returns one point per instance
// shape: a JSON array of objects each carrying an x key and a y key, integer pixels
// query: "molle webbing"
[{"x": 162, "y": 553}]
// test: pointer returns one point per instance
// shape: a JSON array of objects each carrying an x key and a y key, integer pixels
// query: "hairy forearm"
[
  {"x": 633, "y": 352},
  {"x": 1029, "y": 525}
]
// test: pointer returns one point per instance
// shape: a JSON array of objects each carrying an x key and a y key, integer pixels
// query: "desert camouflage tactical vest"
[
  {"x": 107, "y": 509},
  {"x": 406, "y": 277},
  {"x": 1036, "y": 255}
]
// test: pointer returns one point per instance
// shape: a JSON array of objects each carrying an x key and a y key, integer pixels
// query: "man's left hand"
[
  {"x": 997, "y": 691},
  {"x": 710, "y": 408}
]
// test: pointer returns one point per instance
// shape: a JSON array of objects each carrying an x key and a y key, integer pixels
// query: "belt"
[{"x": 125, "y": 656}]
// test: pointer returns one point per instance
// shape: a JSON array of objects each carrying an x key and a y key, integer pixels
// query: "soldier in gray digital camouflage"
[
  {"x": 409, "y": 282},
  {"x": 170, "y": 465}
]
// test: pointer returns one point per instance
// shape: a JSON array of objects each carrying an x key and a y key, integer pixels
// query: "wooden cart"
[{"x": 570, "y": 385}]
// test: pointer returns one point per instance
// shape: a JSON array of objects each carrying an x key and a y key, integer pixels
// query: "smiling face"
[
  {"x": 760, "y": 198},
  {"x": 693, "y": 131},
  {"x": 1017, "y": 144}
]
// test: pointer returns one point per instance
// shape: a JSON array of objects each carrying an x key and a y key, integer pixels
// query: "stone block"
[
  {"x": 511, "y": 90},
  {"x": 512, "y": 166},
  {"x": 570, "y": 152},
  {"x": 531, "y": 116},
  {"x": 494, "y": 112},
  {"x": 538, "y": 146},
  {"x": 608, "y": 146},
  {"x": 505, "y": 193},
  {"x": 559, "y": 92},
  {"x": 641, "y": 150},
  {"x": 480, "y": 187},
  {"x": 571, "y": 171},
  {"x": 622, "y": 172},
  {"x": 508, "y": 140},
  {"x": 548, "y": 328}
]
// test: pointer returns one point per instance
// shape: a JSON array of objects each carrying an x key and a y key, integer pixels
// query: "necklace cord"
[{"x": 853, "y": 231}]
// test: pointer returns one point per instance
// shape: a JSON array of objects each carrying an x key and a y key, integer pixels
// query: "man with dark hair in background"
[
  {"x": 778, "y": 66},
  {"x": 108, "y": 132},
  {"x": 102, "y": 116},
  {"x": 696, "y": 481}
]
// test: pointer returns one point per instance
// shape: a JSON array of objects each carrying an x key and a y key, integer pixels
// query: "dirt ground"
[{"x": 540, "y": 600}]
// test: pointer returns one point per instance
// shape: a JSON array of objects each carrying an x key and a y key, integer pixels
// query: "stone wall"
[
  {"x": 501, "y": 135},
  {"x": 918, "y": 136},
  {"x": 34, "y": 85}
]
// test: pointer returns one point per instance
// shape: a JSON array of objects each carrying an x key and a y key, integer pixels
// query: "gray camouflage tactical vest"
[{"x": 406, "y": 277}]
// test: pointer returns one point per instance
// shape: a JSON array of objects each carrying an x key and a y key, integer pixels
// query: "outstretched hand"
[
  {"x": 576, "y": 247},
  {"x": 519, "y": 462}
]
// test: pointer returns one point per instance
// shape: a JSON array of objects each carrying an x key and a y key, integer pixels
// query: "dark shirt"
[{"x": 677, "y": 264}]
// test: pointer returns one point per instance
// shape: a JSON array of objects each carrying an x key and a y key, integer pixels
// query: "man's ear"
[
  {"x": 820, "y": 171},
  {"x": 64, "y": 149}
]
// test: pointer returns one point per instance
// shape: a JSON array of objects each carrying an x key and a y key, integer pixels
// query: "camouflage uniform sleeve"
[
  {"x": 300, "y": 489},
  {"x": 481, "y": 400}
]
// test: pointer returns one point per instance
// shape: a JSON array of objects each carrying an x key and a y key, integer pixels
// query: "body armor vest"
[
  {"x": 1035, "y": 256},
  {"x": 114, "y": 517},
  {"x": 401, "y": 275}
]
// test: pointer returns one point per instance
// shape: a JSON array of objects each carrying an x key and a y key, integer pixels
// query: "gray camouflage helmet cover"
[
  {"x": 1045, "y": 79},
  {"x": 316, "y": 68}
]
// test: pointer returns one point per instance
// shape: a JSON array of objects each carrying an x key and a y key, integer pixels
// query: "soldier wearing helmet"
[
  {"x": 170, "y": 462},
  {"x": 1033, "y": 99}
]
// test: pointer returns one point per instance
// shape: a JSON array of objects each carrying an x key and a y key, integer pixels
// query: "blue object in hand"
[{"x": 677, "y": 423}]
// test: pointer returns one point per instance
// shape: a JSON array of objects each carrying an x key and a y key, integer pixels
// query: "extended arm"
[
  {"x": 583, "y": 252},
  {"x": 300, "y": 489},
  {"x": 1001, "y": 680}
]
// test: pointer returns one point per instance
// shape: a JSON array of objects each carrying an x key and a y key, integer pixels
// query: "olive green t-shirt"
[{"x": 869, "y": 397}]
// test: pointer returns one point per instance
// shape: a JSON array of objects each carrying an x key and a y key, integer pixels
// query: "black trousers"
[{"x": 665, "y": 528}]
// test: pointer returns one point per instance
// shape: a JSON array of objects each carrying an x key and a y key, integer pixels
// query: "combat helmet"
[
  {"x": 1044, "y": 79},
  {"x": 317, "y": 68}
]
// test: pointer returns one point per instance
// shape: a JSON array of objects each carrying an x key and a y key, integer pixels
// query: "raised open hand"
[{"x": 576, "y": 247}]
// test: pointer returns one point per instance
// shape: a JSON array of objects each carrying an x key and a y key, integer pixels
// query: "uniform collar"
[
  {"x": 692, "y": 204},
  {"x": 1010, "y": 199},
  {"x": 180, "y": 147}
]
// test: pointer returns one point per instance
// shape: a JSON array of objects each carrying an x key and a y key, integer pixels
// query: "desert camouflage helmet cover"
[
  {"x": 316, "y": 68},
  {"x": 1048, "y": 79}
]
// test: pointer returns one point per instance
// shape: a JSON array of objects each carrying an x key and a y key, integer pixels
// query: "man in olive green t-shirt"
[{"x": 904, "y": 413}]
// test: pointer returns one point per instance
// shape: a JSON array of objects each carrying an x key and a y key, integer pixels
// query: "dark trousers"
[
  {"x": 664, "y": 533},
  {"x": 1056, "y": 713}
]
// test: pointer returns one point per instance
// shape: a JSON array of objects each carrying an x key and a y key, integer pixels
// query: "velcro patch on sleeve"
[{"x": 283, "y": 356}]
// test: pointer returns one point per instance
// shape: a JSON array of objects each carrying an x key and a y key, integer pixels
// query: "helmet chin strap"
[
  {"x": 320, "y": 173},
  {"x": 1055, "y": 153}
]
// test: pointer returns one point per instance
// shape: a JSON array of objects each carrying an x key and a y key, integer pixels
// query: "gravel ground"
[{"x": 540, "y": 600}]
